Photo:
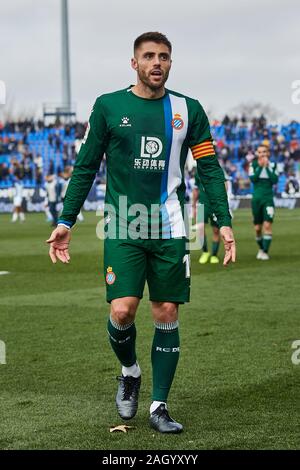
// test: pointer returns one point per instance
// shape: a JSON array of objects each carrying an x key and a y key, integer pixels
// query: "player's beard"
[{"x": 146, "y": 80}]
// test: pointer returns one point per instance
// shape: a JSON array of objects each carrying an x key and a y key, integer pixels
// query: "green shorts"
[
  {"x": 205, "y": 214},
  {"x": 164, "y": 264},
  {"x": 209, "y": 216},
  {"x": 262, "y": 210}
]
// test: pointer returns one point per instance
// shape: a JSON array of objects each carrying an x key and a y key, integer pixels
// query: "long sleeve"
[
  {"x": 213, "y": 180},
  {"x": 272, "y": 173},
  {"x": 254, "y": 173},
  {"x": 208, "y": 167},
  {"x": 86, "y": 166}
]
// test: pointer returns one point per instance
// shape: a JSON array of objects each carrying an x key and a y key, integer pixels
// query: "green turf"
[{"x": 235, "y": 388}]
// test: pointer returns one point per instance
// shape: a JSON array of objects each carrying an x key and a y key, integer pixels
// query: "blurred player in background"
[
  {"x": 65, "y": 180},
  {"x": 199, "y": 196},
  {"x": 18, "y": 198},
  {"x": 263, "y": 175},
  {"x": 53, "y": 188}
]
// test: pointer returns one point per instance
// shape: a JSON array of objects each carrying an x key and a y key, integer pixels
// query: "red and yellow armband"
[{"x": 204, "y": 149}]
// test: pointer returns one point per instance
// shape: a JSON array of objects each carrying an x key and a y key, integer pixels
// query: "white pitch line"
[{"x": 2, "y": 273}]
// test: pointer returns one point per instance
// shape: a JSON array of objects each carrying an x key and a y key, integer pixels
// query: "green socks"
[
  {"x": 204, "y": 246},
  {"x": 122, "y": 340},
  {"x": 215, "y": 248},
  {"x": 264, "y": 242},
  {"x": 267, "y": 240},
  {"x": 259, "y": 241},
  {"x": 164, "y": 357}
]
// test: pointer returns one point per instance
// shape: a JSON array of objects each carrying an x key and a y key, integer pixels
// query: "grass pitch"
[{"x": 235, "y": 388}]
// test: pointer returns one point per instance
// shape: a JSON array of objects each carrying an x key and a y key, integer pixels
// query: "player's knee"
[
  {"x": 123, "y": 313},
  {"x": 268, "y": 228},
  {"x": 165, "y": 312},
  {"x": 258, "y": 229}
]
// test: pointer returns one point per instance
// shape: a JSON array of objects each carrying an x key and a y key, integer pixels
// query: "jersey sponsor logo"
[
  {"x": 177, "y": 122},
  {"x": 125, "y": 122},
  {"x": 110, "y": 276},
  {"x": 150, "y": 149},
  {"x": 146, "y": 164}
]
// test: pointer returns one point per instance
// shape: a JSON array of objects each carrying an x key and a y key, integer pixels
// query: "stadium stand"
[{"x": 32, "y": 150}]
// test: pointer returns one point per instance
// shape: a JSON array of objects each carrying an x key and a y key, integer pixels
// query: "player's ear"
[{"x": 134, "y": 63}]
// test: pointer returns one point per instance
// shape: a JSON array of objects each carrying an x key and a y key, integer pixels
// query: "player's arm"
[
  {"x": 254, "y": 172},
  {"x": 272, "y": 173},
  {"x": 86, "y": 166},
  {"x": 212, "y": 177}
]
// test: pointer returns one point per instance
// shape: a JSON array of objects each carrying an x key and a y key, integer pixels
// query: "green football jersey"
[
  {"x": 263, "y": 179},
  {"x": 146, "y": 142}
]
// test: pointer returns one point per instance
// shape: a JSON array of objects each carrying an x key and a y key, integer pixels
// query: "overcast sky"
[{"x": 225, "y": 51}]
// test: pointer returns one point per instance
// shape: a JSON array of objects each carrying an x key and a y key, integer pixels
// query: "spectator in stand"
[
  {"x": 292, "y": 185},
  {"x": 34, "y": 148}
]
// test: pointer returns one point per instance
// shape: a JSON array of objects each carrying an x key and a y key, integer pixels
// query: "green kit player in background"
[
  {"x": 199, "y": 196},
  {"x": 202, "y": 217},
  {"x": 263, "y": 175},
  {"x": 145, "y": 132}
]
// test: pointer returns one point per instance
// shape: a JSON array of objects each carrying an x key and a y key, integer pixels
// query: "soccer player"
[
  {"x": 18, "y": 197},
  {"x": 53, "y": 189},
  {"x": 199, "y": 195},
  {"x": 263, "y": 175},
  {"x": 65, "y": 180},
  {"x": 145, "y": 131}
]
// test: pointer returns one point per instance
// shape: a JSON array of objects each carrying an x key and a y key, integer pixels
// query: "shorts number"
[
  {"x": 187, "y": 261},
  {"x": 270, "y": 211}
]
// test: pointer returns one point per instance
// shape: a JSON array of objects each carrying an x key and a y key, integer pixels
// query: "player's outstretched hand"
[
  {"x": 229, "y": 245},
  {"x": 59, "y": 244}
]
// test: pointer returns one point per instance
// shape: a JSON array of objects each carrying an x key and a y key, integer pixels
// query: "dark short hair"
[{"x": 159, "y": 38}]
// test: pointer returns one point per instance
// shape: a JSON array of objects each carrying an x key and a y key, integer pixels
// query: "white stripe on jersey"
[{"x": 172, "y": 204}]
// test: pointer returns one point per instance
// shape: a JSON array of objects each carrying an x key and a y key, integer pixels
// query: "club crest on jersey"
[
  {"x": 177, "y": 122},
  {"x": 110, "y": 276}
]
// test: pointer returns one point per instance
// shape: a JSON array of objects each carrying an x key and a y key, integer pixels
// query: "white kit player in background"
[
  {"x": 230, "y": 195},
  {"x": 17, "y": 201},
  {"x": 66, "y": 177}
]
